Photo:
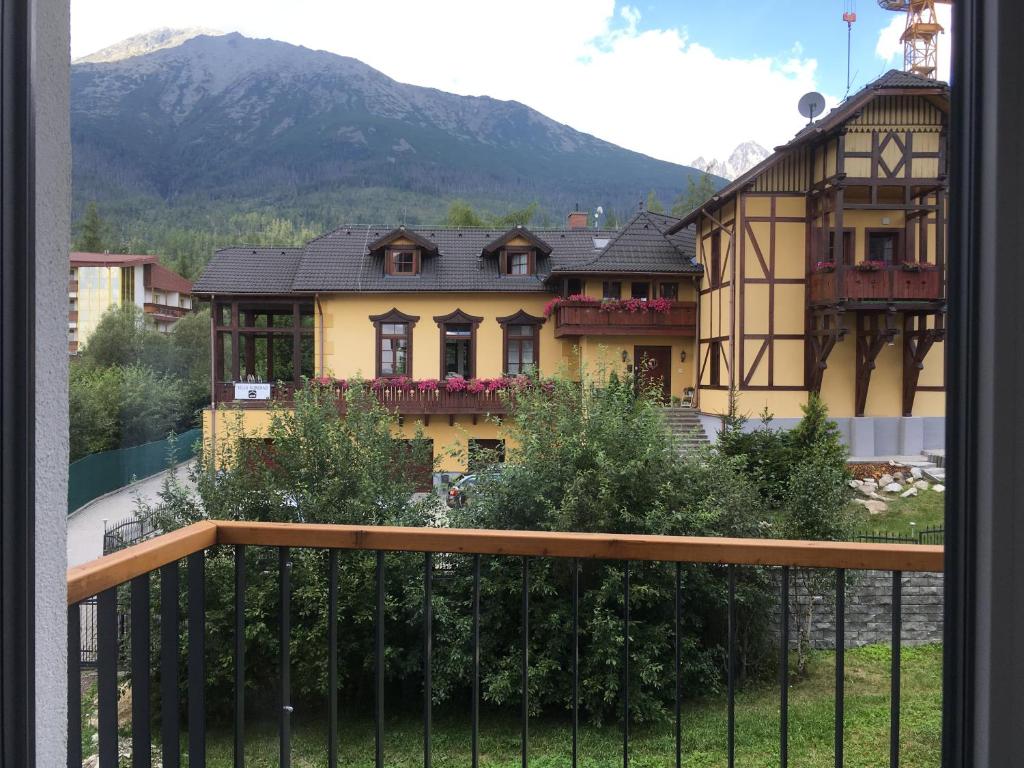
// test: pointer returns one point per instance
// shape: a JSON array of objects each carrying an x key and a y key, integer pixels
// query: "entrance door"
[{"x": 654, "y": 368}]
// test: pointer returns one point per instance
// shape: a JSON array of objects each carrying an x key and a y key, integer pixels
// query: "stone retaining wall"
[{"x": 869, "y": 610}]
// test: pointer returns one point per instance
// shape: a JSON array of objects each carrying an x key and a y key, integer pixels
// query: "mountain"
[
  {"x": 145, "y": 43},
  {"x": 198, "y": 125},
  {"x": 743, "y": 158}
]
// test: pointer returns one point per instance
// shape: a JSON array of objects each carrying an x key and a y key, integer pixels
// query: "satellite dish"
[
  {"x": 811, "y": 105},
  {"x": 600, "y": 210}
]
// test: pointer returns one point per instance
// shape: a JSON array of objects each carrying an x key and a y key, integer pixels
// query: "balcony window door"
[
  {"x": 458, "y": 344},
  {"x": 521, "y": 348},
  {"x": 669, "y": 291},
  {"x": 847, "y": 246},
  {"x": 640, "y": 291},
  {"x": 611, "y": 290},
  {"x": 884, "y": 245}
]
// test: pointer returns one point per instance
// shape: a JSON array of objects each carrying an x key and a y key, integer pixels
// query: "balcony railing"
[
  {"x": 72, "y": 286},
  {"x": 890, "y": 284},
  {"x": 136, "y": 565},
  {"x": 164, "y": 310},
  {"x": 583, "y": 320},
  {"x": 400, "y": 400}
]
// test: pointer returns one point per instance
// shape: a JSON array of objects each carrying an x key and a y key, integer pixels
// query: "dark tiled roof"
[
  {"x": 894, "y": 79},
  {"x": 249, "y": 270},
  {"x": 341, "y": 261},
  {"x": 643, "y": 246}
]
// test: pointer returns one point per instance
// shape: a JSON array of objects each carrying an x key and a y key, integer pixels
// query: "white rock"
[
  {"x": 938, "y": 488},
  {"x": 855, "y": 484},
  {"x": 885, "y": 480},
  {"x": 899, "y": 477},
  {"x": 874, "y": 507},
  {"x": 909, "y": 492},
  {"x": 915, "y": 472},
  {"x": 893, "y": 463},
  {"x": 922, "y": 485},
  {"x": 893, "y": 488}
]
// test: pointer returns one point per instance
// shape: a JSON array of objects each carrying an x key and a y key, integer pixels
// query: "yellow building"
[
  {"x": 437, "y": 317},
  {"x": 825, "y": 272}
]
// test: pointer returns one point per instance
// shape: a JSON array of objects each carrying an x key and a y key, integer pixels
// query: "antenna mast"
[{"x": 849, "y": 16}]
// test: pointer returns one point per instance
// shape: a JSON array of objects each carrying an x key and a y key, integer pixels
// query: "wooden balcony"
[
  {"x": 72, "y": 286},
  {"x": 584, "y": 320},
  {"x": 72, "y": 347},
  {"x": 73, "y": 316},
  {"x": 893, "y": 284},
  {"x": 164, "y": 311},
  {"x": 405, "y": 402}
]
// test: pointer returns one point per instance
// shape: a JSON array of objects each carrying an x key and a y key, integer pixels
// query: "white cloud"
[
  {"x": 578, "y": 61},
  {"x": 889, "y": 48}
]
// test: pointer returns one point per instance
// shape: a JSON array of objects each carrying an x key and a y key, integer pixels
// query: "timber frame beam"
[
  {"x": 827, "y": 327},
  {"x": 917, "y": 342},
  {"x": 874, "y": 331}
]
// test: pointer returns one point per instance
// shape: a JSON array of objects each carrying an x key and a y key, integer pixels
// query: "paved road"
[{"x": 85, "y": 526}]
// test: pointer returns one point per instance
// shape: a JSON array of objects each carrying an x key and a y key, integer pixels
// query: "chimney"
[{"x": 578, "y": 219}]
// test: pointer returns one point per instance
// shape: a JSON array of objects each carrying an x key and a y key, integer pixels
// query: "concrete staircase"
[{"x": 684, "y": 423}]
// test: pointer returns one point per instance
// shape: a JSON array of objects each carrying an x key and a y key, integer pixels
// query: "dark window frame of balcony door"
[{"x": 874, "y": 235}]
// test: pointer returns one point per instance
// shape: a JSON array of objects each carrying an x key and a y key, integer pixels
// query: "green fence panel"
[{"x": 92, "y": 476}]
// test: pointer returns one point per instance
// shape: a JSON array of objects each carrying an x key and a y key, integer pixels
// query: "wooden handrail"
[{"x": 91, "y": 578}]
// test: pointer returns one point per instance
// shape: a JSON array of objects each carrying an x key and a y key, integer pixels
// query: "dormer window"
[
  {"x": 403, "y": 262},
  {"x": 519, "y": 262}
]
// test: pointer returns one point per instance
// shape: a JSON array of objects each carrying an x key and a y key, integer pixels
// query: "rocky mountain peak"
[
  {"x": 743, "y": 158},
  {"x": 147, "y": 42}
]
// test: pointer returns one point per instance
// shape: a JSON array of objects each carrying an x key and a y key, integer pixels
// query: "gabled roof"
[
  {"x": 249, "y": 270},
  {"x": 517, "y": 231},
  {"x": 643, "y": 245},
  {"x": 341, "y": 261},
  {"x": 163, "y": 279},
  {"x": 399, "y": 233},
  {"x": 892, "y": 81}
]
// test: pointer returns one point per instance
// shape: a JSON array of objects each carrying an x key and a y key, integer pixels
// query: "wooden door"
[{"x": 654, "y": 368}]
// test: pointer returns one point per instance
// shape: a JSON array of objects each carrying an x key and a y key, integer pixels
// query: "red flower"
[{"x": 455, "y": 384}]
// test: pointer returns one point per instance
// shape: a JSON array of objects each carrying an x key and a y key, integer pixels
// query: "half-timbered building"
[{"x": 825, "y": 272}]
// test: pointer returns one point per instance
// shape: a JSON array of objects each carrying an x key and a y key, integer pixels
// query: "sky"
[{"x": 673, "y": 79}]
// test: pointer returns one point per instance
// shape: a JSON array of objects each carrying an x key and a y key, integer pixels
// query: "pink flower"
[
  {"x": 455, "y": 384},
  {"x": 476, "y": 386},
  {"x": 427, "y": 385},
  {"x": 825, "y": 266}
]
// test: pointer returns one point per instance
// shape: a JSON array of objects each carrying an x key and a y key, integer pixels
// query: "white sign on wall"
[{"x": 247, "y": 391}]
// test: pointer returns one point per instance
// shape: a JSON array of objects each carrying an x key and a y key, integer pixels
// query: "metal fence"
[
  {"x": 92, "y": 476},
  {"x": 932, "y": 535},
  {"x": 125, "y": 533}
]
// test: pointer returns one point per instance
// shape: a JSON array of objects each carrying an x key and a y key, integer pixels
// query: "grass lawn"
[
  {"x": 704, "y": 728},
  {"x": 926, "y": 510}
]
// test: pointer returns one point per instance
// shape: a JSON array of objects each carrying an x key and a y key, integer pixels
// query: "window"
[
  {"x": 847, "y": 246},
  {"x": 716, "y": 259},
  {"x": 458, "y": 344},
  {"x": 518, "y": 263},
  {"x": 715, "y": 364},
  {"x": 394, "y": 343},
  {"x": 404, "y": 262},
  {"x": 572, "y": 286},
  {"x": 485, "y": 452},
  {"x": 611, "y": 290},
  {"x": 669, "y": 291},
  {"x": 640, "y": 291},
  {"x": 883, "y": 246},
  {"x": 520, "y": 349},
  {"x": 394, "y": 349}
]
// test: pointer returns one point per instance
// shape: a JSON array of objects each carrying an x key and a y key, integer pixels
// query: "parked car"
[{"x": 461, "y": 491}]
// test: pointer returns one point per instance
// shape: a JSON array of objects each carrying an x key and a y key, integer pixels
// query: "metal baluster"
[
  {"x": 284, "y": 568},
  {"x": 784, "y": 672},
  {"x": 575, "y": 660},
  {"x": 170, "y": 618},
  {"x": 625, "y": 666},
  {"x": 678, "y": 663},
  {"x": 840, "y": 661},
  {"x": 197, "y": 660},
  {"x": 379, "y": 665},
  {"x": 525, "y": 739},
  {"x": 897, "y": 640},
  {"x": 106, "y": 653},
  {"x": 731, "y": 672},
  {"x": 475, "y": 715},
  {"x": 332, "y": 658},
  {"x": 239, "y": 659},
  {"x": 142, "y": 756},
  {"x": 75, "y": 686},
  {"x": 428, "y": 653}
]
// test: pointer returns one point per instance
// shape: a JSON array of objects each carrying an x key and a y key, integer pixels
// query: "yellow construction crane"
[{"x": 920, "y": 36}]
